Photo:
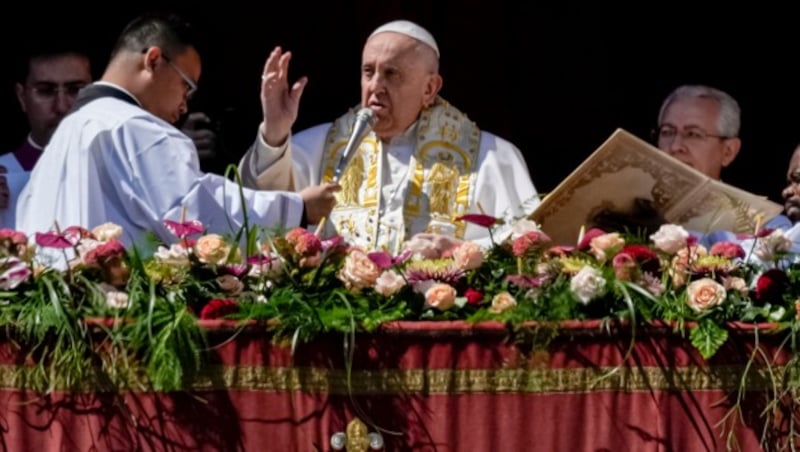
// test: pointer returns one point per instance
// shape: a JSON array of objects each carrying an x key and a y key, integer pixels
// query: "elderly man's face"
[
  {"x": 791, "y": 194},
  {"x": 689, "y": 132},
  {"x": 398, "y": 80}
]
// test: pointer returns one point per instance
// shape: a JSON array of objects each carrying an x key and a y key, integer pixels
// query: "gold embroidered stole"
[{"x": 440, "y": 181}]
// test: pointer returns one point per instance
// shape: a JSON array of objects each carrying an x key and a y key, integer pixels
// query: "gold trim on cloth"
[
  {"x": 471, "y": 381},
  {"x": 439, "y": 185}
]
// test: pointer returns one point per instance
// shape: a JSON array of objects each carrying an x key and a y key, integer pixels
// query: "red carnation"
[
  {"x": 644, "y": 256},
  {"x": 473, "y": 296},
  {"x": 218, "y": 308},
  {"x": 101, "y": 254},
  {"x": 728, "y": 250},
  {"x": 771, "y": 286}
]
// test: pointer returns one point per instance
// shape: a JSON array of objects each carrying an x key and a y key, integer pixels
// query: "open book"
[{"x": 625, "y": 168}]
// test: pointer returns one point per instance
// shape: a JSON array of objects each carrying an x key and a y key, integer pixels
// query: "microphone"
[{"x": 365, "y": 119}]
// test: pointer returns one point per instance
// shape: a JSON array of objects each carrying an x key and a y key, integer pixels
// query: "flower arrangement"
[{"x": 301, "y": 285}]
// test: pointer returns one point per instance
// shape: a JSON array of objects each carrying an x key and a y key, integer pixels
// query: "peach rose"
[
  {"x": 212, "y": 249},
  {"x": 606, "y": 245},
  {"x": 440, "y": 296},
  {"x": 737, "y": 284},
  {"x": 107, "y": 231},
  {"x": 358, "y": 271},
  {"x": 683, "y": 262},
  {"x": 704, "y": 294},
  {"x": 176, "y": 254},
  {"x": 468, "y": 256},
  {"x": 502, "y": 302}
]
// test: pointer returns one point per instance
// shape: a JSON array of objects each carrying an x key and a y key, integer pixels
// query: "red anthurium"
[
  {"x": 184, "y": 229},
  {"x": 480, "y": 219},
  {"x": 381, "y": 258},
  {"x": 52, "y": 240},
  {"x": 75, "y": 233},
  {"x": 587, "y": 238}
]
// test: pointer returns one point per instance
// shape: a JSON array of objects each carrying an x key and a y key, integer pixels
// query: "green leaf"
[{"x": 708, "y": 337}]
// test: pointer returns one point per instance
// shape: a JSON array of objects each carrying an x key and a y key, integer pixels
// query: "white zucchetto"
[{"x": 411, "y": 29}]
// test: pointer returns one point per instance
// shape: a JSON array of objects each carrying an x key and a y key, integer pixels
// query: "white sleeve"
[
  {"x": 294, "y": 166},
  {"x": 166, "y": 178},
  {"x": 267, "y": 167},
  {"x": 503, "y": 187}
]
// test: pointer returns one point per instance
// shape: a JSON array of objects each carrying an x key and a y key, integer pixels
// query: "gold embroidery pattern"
[
  {"x": 469, "y": 381},
  {"x": 440, "y": 181}
]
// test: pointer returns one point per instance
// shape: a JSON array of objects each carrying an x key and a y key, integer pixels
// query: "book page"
[{"x": 625, "y": 168}]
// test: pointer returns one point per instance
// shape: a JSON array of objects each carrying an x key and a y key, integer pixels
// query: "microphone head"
[{"x": 366, "y": 115}]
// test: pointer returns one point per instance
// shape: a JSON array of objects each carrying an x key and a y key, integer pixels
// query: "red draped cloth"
[{"x": 436, "y": 386}]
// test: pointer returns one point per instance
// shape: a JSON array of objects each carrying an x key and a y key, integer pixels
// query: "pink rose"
[
  {"x": 389, "y": 283},
  {"x": 303, "y": 242},
  {"x": 440, "y": 296},
  {"x": 624, "y": 266},
  {"x": 422, "y": 247},
  {"x": 358, "y": 271},
  {"x": 528, "y": 242},
  {"x": 704, "y": 294}
]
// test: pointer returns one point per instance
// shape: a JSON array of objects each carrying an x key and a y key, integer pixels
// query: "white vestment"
[
  {"x": 496, "y": 180},
  {"x": 111, "y": 161}
]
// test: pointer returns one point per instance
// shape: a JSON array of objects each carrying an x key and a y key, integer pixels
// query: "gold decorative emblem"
[{"x": 356, "y": 438}]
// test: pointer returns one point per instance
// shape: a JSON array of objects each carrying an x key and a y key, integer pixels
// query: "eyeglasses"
[
  {"x": 666, "y": 135},
  {"x": 191, "y": 86},
  {"x": 49, "y": 91}
]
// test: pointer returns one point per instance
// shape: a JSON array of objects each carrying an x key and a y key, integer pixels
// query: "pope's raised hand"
[{"x": 279, "y": 103}]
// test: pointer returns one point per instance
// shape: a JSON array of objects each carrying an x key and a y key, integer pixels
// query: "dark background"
[{"x": 555, "y": 81}]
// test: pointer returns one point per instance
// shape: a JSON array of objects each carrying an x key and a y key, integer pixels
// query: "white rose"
[
  {"x": 670, "y": 238},
  {"x": 587, "y": 284},
  {"x": 523, "y": 227}
]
